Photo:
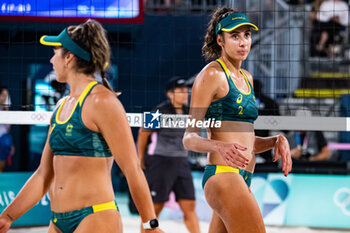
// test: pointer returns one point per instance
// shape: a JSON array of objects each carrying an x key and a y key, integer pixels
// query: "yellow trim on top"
[
  {"x": 247, "y": 81},
  {"x": 86, "y": 90},
  {"x": 42, "y": 41},
  {"x": 105, "y": 206},
  {"x": 228, "y": 75},
  {"x": 240, "y": 25},
  {"x": 225, "y": 68},
  {"x": 222, "y": 169},
  {"x": 80, "y": 101},
  {"x": 52, "y": 127},
  {"x": 320, "y": 93}
]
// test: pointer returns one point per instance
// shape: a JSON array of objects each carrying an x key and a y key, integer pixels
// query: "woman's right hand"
[
  {"x": 5, "y": 224},
  {"x": 230, "y": 152}
]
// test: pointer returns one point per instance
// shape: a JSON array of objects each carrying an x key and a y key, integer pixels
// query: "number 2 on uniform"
[{"x": 240, "y": 110}]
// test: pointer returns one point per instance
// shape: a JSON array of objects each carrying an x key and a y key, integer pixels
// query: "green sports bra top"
[
  {"x": 236, "y": 105},
  {"x": 72, "y": 137}
]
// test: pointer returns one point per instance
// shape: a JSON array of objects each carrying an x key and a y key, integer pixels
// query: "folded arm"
[{"x": 204, "y": 91}]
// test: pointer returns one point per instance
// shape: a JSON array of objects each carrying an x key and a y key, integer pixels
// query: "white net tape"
[{"x": 136, "y": 120}]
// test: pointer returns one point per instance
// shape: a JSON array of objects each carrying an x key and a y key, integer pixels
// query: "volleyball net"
[
  {"x": 299, "y": 85},
  {"x": 276, "y": 123}
]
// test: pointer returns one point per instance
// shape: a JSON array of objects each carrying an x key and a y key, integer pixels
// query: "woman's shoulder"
[
  {"x": 102, "y": 104},
  {"x": 101, "y": 95},
  {"x": 212, "y": 66},
  {"x": 211, "y": 73},
  {"x": 209, "y": 81}
]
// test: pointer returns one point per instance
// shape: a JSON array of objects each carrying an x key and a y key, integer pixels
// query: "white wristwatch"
[{"x": 151, "y": 224}]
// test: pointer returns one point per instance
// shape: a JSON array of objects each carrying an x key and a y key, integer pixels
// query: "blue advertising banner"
[
  {"x": 319, "y": 200},
  {"x": 298, "y": 200},
  {"x": 272, "y": 192},
  {"x": 68, "y": 8},
  {"x": 105, "y": 11},
  {"x": 303, "y": 200},
  {"x": 10, "y": 185}
]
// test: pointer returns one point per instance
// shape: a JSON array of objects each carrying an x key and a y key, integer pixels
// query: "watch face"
[{"x": 154, "y": 223}]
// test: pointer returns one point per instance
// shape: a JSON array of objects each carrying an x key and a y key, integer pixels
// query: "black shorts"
[{"x": 166, "y": 174}]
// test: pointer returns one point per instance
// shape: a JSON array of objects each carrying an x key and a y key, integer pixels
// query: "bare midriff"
[
  {"x": 80, "y": 182},
  {"x": 238, "y": 132}
]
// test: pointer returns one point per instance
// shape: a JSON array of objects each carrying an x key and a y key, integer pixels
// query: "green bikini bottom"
[
  {"x": 67, "y": 222},
  {"x": 211, "y": 170}
]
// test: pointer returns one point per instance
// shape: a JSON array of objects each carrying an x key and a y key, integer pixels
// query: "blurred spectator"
[
  {"x": 165, "y": 159},
  {"x": 162, "y": 4},
  {"x": 315, "y": 28},
  {"x": 311, "y": 145},
  {"x": 295, "y": 2},
  {"x": 314, "y": 12},
  {"x": 6, "y": 145},
  {"x": 266, "y": 106},
  {"x": 332, "y": 19},
  {"x": 268, "y": 16},
  {"x": 5, "y": 100}
]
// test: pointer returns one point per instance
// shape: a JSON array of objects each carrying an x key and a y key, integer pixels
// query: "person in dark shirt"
[
  {"x": 7, "y": 148},
  {"x": 310, "y": 146},
  {"x": 268, "y": 107},
  {"x": 165, "y": 159}
]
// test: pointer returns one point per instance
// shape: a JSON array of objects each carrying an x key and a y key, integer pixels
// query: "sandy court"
[
  {"x": 131, "y": 226},
  {"x": 131, "y": 223}
]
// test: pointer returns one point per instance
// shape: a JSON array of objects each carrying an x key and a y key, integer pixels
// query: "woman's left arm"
[
  {"x": 279, "y": 143},
  {"x": 109, "y": 116},
  {"x": 282, "y": 150},
  {"x": 263, "y": 144}
]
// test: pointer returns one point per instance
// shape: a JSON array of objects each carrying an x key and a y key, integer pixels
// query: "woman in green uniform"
[
  {"x": 88, "y": 129},
  {"x": 223, "y": 91}
]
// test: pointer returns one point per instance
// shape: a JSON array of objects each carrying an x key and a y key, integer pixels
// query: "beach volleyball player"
[
  {"x": 223, "y": 91},
  {"x": 88, "y": 129}
]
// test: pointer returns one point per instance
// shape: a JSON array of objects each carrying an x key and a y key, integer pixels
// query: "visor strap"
[
  {"x": 69, "y": 44},
  {"x": 218, "y": 26}
]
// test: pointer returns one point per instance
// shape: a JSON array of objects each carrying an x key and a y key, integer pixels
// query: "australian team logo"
[
  {"x": 69, "y": 130},
  {"x": 238, "y": 18}
]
